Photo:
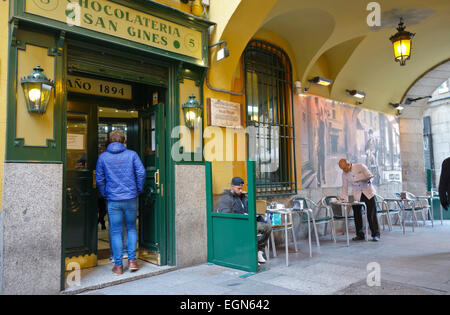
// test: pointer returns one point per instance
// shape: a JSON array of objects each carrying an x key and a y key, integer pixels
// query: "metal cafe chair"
[
  {"x": 328, "y": 202},
  {"x": 422, "y": 204},
  {"x": 414, "y": 205},
  {"x": 337, "y": 214},
  {"x": 315, "y": 214},
  {"x": 384, "y": 211}
]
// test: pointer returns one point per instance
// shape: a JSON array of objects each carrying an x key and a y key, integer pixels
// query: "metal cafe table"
[
  {"x": 345, "y": 206},
  {"x": 285, "y": 212}
]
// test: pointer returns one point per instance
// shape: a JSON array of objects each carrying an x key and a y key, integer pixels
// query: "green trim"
[
  {"x": 171, "y": 120},
  {"x": 148, "y": 7},
  {"x": 64, "y": 157},
  {"x": 251, "y": 184},
  {"x": 198, "y": 75},
  {"x": 16, "y": 150},
  {"x": 209, "y": 207}
]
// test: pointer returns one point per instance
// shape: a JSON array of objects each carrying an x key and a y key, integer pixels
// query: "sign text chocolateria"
[{"x": 121, "y": 21}]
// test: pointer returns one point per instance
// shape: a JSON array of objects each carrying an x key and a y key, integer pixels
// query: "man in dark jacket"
[
  {"x": 235, "y": 201},
  {"x": 444, "y": 184},
  {"x": 120, "y": 179}
]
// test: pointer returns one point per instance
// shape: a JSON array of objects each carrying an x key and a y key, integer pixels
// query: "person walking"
[
  {"x": 120, "y": 179},
  {"x": 359, "y": 176},
  {"x": 444, "y": 184}
]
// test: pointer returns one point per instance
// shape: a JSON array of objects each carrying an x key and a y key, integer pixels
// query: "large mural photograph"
[{"x": 332, "y": 130}]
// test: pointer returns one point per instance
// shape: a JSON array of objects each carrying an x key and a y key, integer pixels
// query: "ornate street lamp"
[
  {"x": 38, "y": 91},
  {"x": 192, "y": 110},
  {"x": 402, "y": 43}
]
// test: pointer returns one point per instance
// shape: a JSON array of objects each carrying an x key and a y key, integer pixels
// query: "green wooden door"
[
  {"x": 152, "y": 217},
  {"x": 80, "y": 189},
  {"x": 232, "y": 239}
]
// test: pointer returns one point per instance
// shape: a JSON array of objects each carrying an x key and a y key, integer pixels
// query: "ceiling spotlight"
[
  {"x": 223, "y": 52},
  {"x": 321, "y": 81},
  {"x": 357, "y": 94},
  {"x": 397, "y": 106}
]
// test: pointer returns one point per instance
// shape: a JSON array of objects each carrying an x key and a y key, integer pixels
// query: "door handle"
[
  {"x": 94, "y": 183},
  {"x": 157, "y": 178}
]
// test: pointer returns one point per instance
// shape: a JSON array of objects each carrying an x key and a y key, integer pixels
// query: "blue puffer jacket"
[{"x": 120, "y": 174}]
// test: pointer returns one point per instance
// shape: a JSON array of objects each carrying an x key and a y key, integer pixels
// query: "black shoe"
[
  {"x": 358, "y": 238},
  {"x": 376, "y": 239}
]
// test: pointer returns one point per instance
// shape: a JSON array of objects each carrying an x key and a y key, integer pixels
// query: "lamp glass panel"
[
  {"x": 45, "y": 96},
  {"x": 402, "y": 49}
]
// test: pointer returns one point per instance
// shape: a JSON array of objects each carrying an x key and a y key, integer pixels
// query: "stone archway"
[{"x": 411, "y": 127}]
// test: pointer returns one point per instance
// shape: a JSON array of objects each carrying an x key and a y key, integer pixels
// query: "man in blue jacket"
[{"x": 120, "y": 179}]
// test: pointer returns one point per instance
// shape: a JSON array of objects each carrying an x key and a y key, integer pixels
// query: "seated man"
[{"x": 235, "y": 201}]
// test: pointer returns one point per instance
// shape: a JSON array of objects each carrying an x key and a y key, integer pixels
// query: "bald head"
[{"x": 345, "y": 165}]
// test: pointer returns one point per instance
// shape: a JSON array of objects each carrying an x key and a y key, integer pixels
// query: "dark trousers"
[
  {"x": 371, "y": 217},
  {"x": 263, "y": 231}
]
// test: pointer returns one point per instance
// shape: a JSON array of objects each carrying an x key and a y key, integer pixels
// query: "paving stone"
[{"x": 415, "y": 263}]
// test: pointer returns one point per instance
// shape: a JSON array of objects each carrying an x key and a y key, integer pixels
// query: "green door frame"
[{"x": 171, "y": 119}]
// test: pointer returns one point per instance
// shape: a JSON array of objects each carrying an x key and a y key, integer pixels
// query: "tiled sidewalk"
[{"x": 415, "y": 263}]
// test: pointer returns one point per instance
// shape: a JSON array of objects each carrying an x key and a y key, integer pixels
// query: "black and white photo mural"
[{"x": 332, "y": 130}]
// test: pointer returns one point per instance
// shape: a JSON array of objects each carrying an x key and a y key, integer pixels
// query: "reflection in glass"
[{"x": 76, "y": 141}]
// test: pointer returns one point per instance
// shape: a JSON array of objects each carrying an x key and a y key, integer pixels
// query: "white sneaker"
[{"x": 260, "y": 257}]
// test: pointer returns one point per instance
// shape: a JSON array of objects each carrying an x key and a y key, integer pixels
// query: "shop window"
[{"x": 269, "y": 108}]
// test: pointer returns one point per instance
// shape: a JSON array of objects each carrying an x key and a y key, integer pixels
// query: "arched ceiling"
[
  {"x": 331, "y": 38},
  {"x": 424, "y": 86}
]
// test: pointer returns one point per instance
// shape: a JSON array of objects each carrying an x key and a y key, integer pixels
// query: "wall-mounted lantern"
[
  {"x": 38, "y": 91},
  {"x": 192, "y": 110},
  {"x": 402, "y": 43}
]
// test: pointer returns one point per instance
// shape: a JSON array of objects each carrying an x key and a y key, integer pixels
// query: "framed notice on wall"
[
  {"x": 75, "y": 141},
  {"x": 224, "y": 114}
]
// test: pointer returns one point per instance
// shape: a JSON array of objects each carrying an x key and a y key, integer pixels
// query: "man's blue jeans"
[
  {"x": 117, "y": 211},
  {"x": 124, "y": 240}
]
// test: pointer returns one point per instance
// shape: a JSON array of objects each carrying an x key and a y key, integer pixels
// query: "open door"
[
  {"x": 152, "y": 216},
  {"x": 80, "y": 188},
  {"x": 232, "y": 239}
]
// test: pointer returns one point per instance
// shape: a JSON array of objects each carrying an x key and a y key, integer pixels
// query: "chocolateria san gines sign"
[{"x": 118, "y": 20}]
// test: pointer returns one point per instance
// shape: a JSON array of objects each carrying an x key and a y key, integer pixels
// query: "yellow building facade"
[{"x": 148, "y": 61}]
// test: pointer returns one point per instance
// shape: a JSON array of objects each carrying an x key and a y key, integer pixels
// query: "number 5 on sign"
[{"x": 73, "y": 14}]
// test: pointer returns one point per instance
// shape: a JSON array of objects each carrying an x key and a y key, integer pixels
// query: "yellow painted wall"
[
  {"x": 223, "y": 170},
  {"x": 4, "y": 34}
]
